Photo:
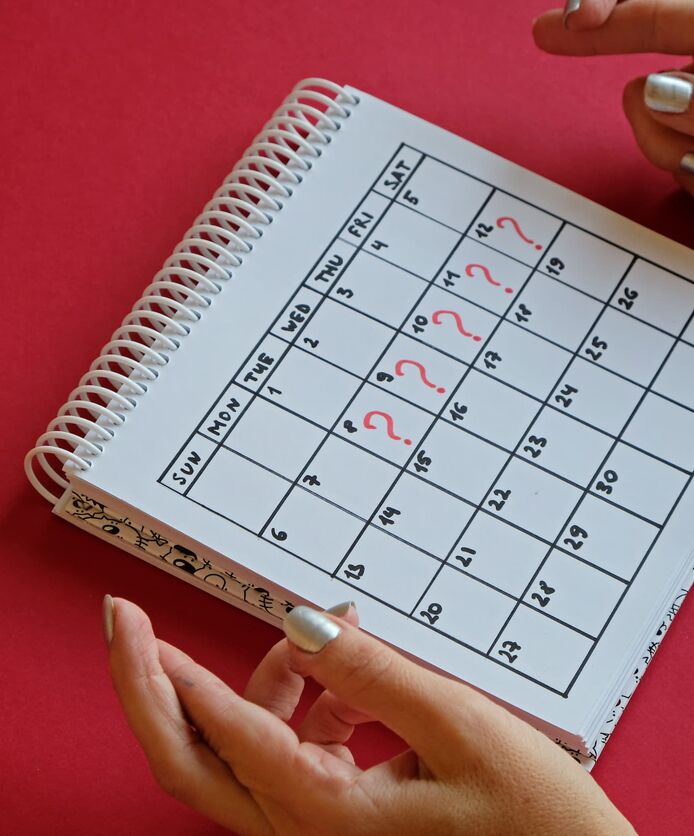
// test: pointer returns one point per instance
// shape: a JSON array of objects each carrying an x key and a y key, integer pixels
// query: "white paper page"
[{"x": 451, "y": 391}]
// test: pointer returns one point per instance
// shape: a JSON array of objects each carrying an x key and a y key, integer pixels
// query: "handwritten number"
[
  {"x": 432, "y": 613},
  {"x": 577, "y": 538},
  {"x": 535, "y": 445},
  {"x": 510, "y": 650},
  {"x": 279, "y": 535},
  {"x": 483, "y": 230},
  {"x": 563, "y": 396},
  {"x": 596, "y": 342},
  {"x": 554, "y": 266},
  {"x": 353, "y": 571},
  {"x": 498, "y": 504},
  {"x": 627, "y": 299},
  {"x": 312, "y": 343},
  {"x": 606, "y": 487}
]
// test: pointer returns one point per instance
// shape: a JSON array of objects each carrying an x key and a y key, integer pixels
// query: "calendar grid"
[
  {"x": 597, "y": 473},
  {"x": 408, "y": 462},
  {"x": 669, "y": 514},
  {"x": 497, "y": 481},
  {"x": 396, "y": 196},
  {"x": 530, "y": 583}
]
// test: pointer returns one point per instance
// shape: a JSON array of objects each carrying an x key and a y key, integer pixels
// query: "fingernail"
[
  {"x": 341, "y": 610},
  {"x": 309, "y": 629},
  {"x": 571, "y": 7},
  {"x": 687, "y": 163},
  {"x": 107, "y": 610},
  {"x": 667, "y": 93}
]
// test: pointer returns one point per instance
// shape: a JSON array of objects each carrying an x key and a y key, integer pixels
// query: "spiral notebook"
[{"x": 386, "y": 365}]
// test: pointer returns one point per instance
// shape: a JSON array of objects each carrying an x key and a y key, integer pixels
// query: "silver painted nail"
[
  {"x": 667, "y": 93},
  {"x": 107, "y": 610},
  {"x": 571, "y": 7},
  {"x": 309, "y": 629},
  {"x": 687, "y": 163},
  {"x": 341, "y": 610}
]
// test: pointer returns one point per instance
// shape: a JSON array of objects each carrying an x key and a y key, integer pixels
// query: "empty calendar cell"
[
  {"x": 564, "y": 446},
  {"x": 484, "y": 276},
  {"x": 422, "y": 375},
  {"x": 384, "y": 424},
  {"x": 609, "y": 537},
  {"x": 445, "y": 194},
  {"x": 398, "y": 171},
  {"x": 595, "y": 396},
  {"x": 664, "y": 429},
  {"x": 450, "y": 324},
  {"x": 224, "y": 414},
  {"x": 464, "y": 609},
  {"x": 239, "y": 490},
  {"x": 348, "y": 476},
  {"x": 657, "y": 296},
  {"x": 458, "y": 462},
  {"x": 575, "y": 593},
  {"x": 498, "y": 553},
  {"x": 523, "y": 360},
  {"x": 586, "y": 262},
  {"x": 555, "y": 311},
  {"x": 674, "y": 379},
  {"x": 310, "y": 387},
  {"x": 378, "y": 289},
  {"x": 639, "y": 483},
  {"x": 388, "y": 569},
  {"x": 536, "y": 501},
  {"x": 291, "y": 321},
  {"x": 313, "y": 529},
  {"x": 491, "y": 409},
  {"x": 422, "y": 515},
  {"x": 345, "y": 337},
  {"x": 412, "y": 241},
  {"x": 515, "y": 228},
  {"x": 274, "y": 438},
  {"x": 541, "y": 648},
  {"x": 626, "y": 346}
]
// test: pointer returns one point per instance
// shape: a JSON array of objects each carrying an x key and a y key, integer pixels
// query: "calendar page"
[{"x": 453, "y": 392}]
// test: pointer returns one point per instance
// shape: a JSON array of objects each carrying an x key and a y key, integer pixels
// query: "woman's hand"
[
  {"x": 472, "y": 766},
  {"x": 659, "y": 107}
]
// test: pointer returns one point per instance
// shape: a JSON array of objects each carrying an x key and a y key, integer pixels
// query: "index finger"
[{"x": 634, "y": 26}]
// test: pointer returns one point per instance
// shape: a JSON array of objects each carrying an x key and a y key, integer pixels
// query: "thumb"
[{"x": 436, "y": 716}]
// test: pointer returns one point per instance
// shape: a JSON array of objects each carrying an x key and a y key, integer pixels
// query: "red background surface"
[{"x": 119, "y": 120}]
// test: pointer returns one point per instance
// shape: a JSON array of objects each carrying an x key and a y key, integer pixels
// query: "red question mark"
[
  {"x": 368, "y": 423},
  {"x": 501, "y": 223},
  {"x": 470, "y": 271},
  {"x": 422, "y": 373},
  {"x": 436, "y": 319}
]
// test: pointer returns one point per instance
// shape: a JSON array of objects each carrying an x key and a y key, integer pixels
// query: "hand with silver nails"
[
  {"x": 472, "y": 767},
  {"x": 659, "y": 107}
]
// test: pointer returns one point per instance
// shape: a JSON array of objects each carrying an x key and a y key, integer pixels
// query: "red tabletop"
[{"x": 119, "y": 120}]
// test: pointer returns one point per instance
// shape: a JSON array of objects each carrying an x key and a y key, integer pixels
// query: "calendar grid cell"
[{"x": 361, "y": 238}]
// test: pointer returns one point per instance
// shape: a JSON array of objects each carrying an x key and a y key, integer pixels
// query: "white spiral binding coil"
[{"x": 196, "y": 271}]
